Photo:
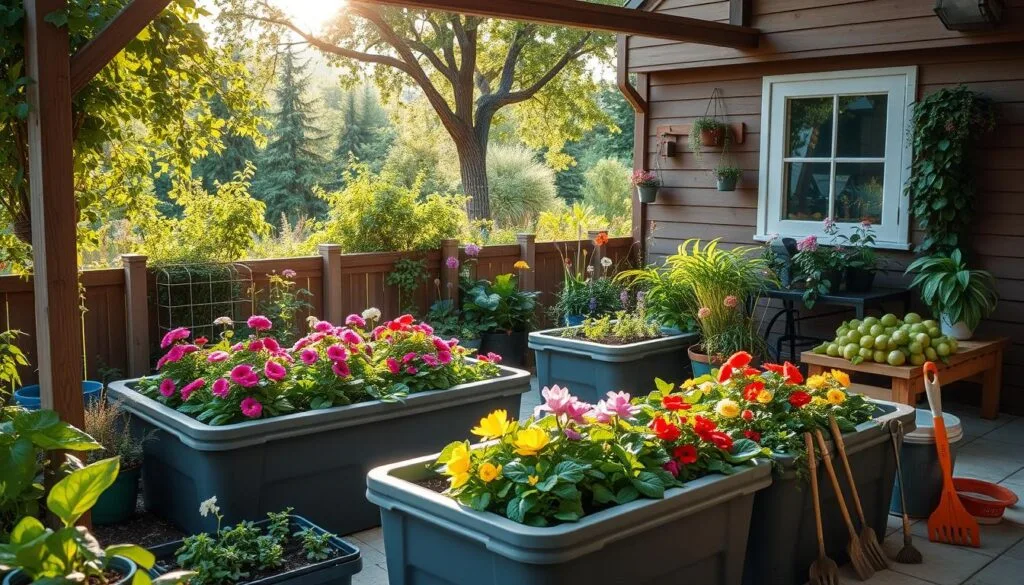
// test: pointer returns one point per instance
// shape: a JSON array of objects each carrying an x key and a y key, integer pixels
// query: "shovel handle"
[
  {"x": 835, "y": 482},
  {"x": 812, "y": 469},
  {"x": 837, "y": 438},
  {"x": 930, "y": 372}
]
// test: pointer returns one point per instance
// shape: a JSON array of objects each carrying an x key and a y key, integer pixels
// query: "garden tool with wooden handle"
[
  {"x": 950, "y": 522},
  {"x": 858, "y": 559},
  {"x": 908, "y": 555},
  {"x": 824, "y": 570},
  {"x": 868, "y": 538}
]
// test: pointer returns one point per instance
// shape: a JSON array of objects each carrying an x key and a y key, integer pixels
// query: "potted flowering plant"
[
  {"x": 821, "y": 267},
  {"x": 540, "y": 501},
  {"x": 251, "y": 420},
  {"x": 861, "y": 259},
  {"x": 585, "y": 291},
  {"x": 504, "y": 313},
  {"x": 647, "y": 184}
]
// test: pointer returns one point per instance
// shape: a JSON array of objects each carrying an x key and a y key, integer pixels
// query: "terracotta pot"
[
  {"x": 712, "y": 136},
  {"x": 701, "y": 362}
]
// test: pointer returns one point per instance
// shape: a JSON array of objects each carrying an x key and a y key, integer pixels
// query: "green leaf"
[
  {"x": 648, "y": 484},
  {"x": 142, "y": 557},
  {"x": 626, "y": 495},
  {"x": 26, "y": 530},
  {"x": 602, "y": 495},
  {"x": 77, "y": 493},
  {"x": 743, "y": 450},
  {"x": 516, "y": 471},
  {"x": 63, "y": 436},
  {"x": 35, "y": 420},
  {"x": 547, "y": 484},
  {"x": 570, "y": 471}
]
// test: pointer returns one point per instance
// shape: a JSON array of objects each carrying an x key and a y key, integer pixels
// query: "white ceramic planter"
[{"x": 959, "y": 330}]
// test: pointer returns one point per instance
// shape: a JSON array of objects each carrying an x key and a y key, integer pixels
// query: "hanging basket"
[{"x": 712, "y": 137}]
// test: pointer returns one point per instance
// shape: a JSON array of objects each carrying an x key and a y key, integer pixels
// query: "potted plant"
[
  {"x": 566, "y": 497},
  {"x": 586, "y": 292},
  {"x": 504, "y": 313},
  {"x": 614, "y": 352},
  {"x": 960, "y": 297},
  {"x": 726, "y": 177},
  {"x": 820, "y": 267},
  {"x": 70, "y": 554},
  {"x": 111, "y": 427},
  {"x": 647, "y": 184},
  {"x": 281, "y": 549},
  {"x": 707, "y": 132},
  {"x": 11, "y": 358},
  {"x": 861, "y": 259},
  {"x": 254, "y": 421}
]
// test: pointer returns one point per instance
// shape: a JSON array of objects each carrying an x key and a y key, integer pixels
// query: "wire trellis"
[{"x": 193, "y": 295}]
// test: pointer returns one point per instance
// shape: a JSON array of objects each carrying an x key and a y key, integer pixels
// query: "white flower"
[
  {"x": 223, "y": 321},
  {"x": 208, "y": 506},
  {"x": 371, "y": 314},
  {"x": 606, "y": 262},
  {"x": 312, "y": 320}
]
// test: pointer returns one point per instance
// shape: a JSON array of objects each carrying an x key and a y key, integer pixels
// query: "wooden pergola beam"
[
  {"x": 120, "y": 31},
  {"x": 616, "y": 19}
]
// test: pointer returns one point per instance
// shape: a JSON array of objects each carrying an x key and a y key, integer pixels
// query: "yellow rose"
[
  {"x": 493, "y": 425},
  {"x": 841, "y": 377},
  {"x": 488, "y": 472},
  {"x": 765, "y": 396},
  {"x": 727, "y": 408},
  {"x": 530, "y": 441},
  {"x": 836, "y": 396},
  {"x": 817, "y": 382},
  {"x": 533, "y": 479}
]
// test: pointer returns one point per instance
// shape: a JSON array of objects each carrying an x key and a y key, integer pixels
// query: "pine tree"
[
  {"x": 366, "y": 133},
  {"x": 224, "y": 166},
  {"x": 289, "y": 167}
]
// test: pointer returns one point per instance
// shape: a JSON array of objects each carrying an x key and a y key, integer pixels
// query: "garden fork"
[
  {"x": 858, "y": 559},
  {"x": 824, "y": 570},
  {"x": 868, "y": 538}
]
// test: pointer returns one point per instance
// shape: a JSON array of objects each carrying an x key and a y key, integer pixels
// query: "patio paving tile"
[
  {"x": 847, "y": 575},
  {"x": 1002, "y": 571},
  {"x": 943, "y": 564},
  {"x": 995, "y": 539},
  {"x": 974, "y": 426},
  {"x": 989, "y": 460},
  {"x": 1012, "y": 433}
]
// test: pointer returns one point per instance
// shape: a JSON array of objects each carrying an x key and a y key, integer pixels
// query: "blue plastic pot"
[
  {"x": 574, "y": 320},
  {"x": 28, "y": 396},
  {"x": 122, "y": 565}
]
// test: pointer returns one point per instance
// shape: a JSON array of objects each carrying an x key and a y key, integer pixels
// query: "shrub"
[
  {"x": 520, "y": 187},
  {"x": 608, "y": 188}
]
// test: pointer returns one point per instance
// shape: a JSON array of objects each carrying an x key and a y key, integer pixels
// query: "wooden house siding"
[{"x": 689, "y": 206}]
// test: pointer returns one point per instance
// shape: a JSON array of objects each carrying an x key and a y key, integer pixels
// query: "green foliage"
[
  {"x": 946, "y": 127},
  {"x": 860, "y": 247},
  {"x": 728, "y": 172},
  {"x": 608, "y": 189},
  {"x": 448, "y": 321},
  {"x": 111, "y": 427},
  {"x": 316, "y": 545},
  {"x": 670, "y": 301},
  {"x": 499, "y": 306},
  {"x": 612, "y": 140},
  {"x": 283, "y": 302},
  {"x": 520, "y": 187},
  {"x": 11, "y": 358},
  {"x": 422, "y": 153},
  {"x": 624, "y": 327},
  {"x": 950, "y": 289},
  {"x": 703, "y": 124},
  {"x": 407, "y": 276},
  {"x": 366, "y": 133},
  {"x": 591, "y": 297},
  {"x": 573, "y": 223}
]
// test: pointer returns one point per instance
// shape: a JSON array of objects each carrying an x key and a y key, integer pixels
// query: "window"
[{"x": 835, "y": 145}]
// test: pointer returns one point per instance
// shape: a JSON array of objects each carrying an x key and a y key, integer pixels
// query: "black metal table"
[{"x": 860, "y": 303}]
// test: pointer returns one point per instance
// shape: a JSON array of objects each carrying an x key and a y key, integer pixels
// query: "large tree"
[{"x": 468, "y": 68}]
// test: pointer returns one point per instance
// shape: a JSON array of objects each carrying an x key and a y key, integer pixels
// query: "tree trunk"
[{"x": 473, "y": 169}]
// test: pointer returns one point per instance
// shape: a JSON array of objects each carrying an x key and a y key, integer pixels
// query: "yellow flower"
[
  {"x": 818, "y": 400},
  {"x": 458, "y": 467},
  {"x": 529, "y": 441},
  {"x": 727, "y": 408},
  {"x": 488, "y": 472},
  {"x": 533, "y": 479},
  {"x": 817, "y": 382},
  {"x": 521, "y": 265},
  {"x": 836, "y": 396},
  {"x": 689, "y": 384},
  {"x": 707, "y": 387},
  {"x": 765, "y": 396},
  {"x": 493, "y": 425},
  {"x": 841, "y": 377}
]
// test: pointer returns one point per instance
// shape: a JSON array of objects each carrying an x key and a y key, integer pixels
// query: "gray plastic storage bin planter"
[
  {"x": 313, "y": 461},
  {"x": 696, "y": 534},
  {"x": 783, "y": 541},
  {"x": 591, "y": 370}
]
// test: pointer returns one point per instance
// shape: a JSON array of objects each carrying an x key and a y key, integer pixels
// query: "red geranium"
[
  {"x": 749, "y": 371},
  {"x": 799, "y": 398},
  {"x": 725, "y": 373},
  {"x": 752, "y": 435},
  {"x": 665, "y": 430},
  {"x": 720, "y": 440},
  {"x": 674, "y": 402},
  {"x": 685, "y": 454},
  {"x": 740, "y": 359},
  {"x": 747, "y": 415},
  {"x": 790, "y": 373},
  {"x": 752, "y": 389},
  {"x": 703, "y": 426}
]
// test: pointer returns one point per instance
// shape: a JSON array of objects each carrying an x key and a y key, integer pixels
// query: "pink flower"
[
  {"x": 444, "y": 357},
  {"x": 274, "y": 371},
  {"x": 351, "y": 337},
  {"x": 439, "y": 344},
  {"x": 393, "y": 365},
  {"x": 323, "y": 326},
  {"x": 309, "y": 356},
  {"x": 259, "y": 323},
  {"x": 472, "y": 250},
  {"x": 244, "y": 375},
  {"x": 452, "y": 262},
  {"x": 174, "y": 335},
  {"x": 672, "y": 467},
  {"x": 808, "y": 244},
  {"x": 731, "y": 301},
  {"x": 176, "y": 353},
  {"x": 201, "y": 340},
  {"x": 256, "y": 345},
  {"x": 167, "y": 387},
  {"x": 355, "y": 321},
  {"x": 828, "y": 225},
  {"x": 251, "y": 407},
  {"x": 616, "y": 404},
  {"x": 424, "y": 328},
  {"x": 408, "y": 357},
  {"x": 572, "y": 434},
  {"x": 556, "y": 401},
  {"x": 191, "y": 387},
  {"x": 577, "y": 409},
  {"x": 238, "y": 346},
  {"x": 220, "y": 388},
  {"x": 337, "y": 353},
  {"x": 411, "y": 370},
  {"x": 217, "y": 356},
  {"x": 341, "y": 369},
  {"x": 703, "y": 313},
  {"x": 271, "y": 344},
  {"x": 430, "y": 360},
  {"x": 288, "y": 273}
]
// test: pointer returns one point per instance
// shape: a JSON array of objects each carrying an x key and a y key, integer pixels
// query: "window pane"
[
  {"x": 859, "y": 192},
  {"x": 862, "y": 126},
  {"x": 806, "y": 191},
  {"x": 809, "y": 128}
]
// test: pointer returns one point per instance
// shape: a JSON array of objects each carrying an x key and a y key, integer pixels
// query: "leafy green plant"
[
  {"x": 316, "y": 546},
  {"x": 670, "y": 301},
  {"x": 623, "y": 327},
  {"x": 499, "y": 306},
  {"x": 520, "y": 187},
  {"x": 284, "y": 301},
  {"x": 953, "y": 291},
  {"x": 448, "y": 321},
  {"x": 70, "y": 554},
  {"x": 818, "y": 265},
  {"x": 704, "y": 124},
  {"x": 946, "y": 126},
  {"x": 11, "y": 358},
  {"x": 728, "y": 172},
  {"x": 860, "y": 247},
  {"x": 407, "y": 276}
]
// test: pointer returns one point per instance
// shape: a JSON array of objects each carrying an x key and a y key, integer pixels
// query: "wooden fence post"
[
  {"x": 331, "y": 254},
  {"x": 450, "y": 276},
  {"x": 528, "y": 253},
  {"x": 136, "y": 304}
]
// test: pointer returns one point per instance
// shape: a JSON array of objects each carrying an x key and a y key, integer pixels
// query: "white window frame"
[{"x": 900, "y": 84}]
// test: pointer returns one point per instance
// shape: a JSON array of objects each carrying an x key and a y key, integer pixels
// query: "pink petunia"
[
  {"x": 445, "y": 357},
  {"x": 408, "y": 357},
  {"x": 191, "y": 387},
  {"x": 271, "y": 344},
  {"x": 274, "y": 371},
  {"x": 431, "y": 360},
  {"x": 217, "y": 356},
  {"x": 256, "y": 345},
  {"x": 323, "y": 326},
  {"x": 174, "y": 335},
  {"x": 167, "y": 387},
  {"x": 393, "y": 365},
  {"x": 355, "y": 321},
  {"x": 220, "y": 388},
  {"x": 351, "y": 337},
  {"x": 337, "y": 353},
  {"x": 238, "y": 346},
  {"x": 251, "y": 407},
  {"x": 176, "y": 353},
  {"x": 244, "y": 375},
  {"x": 411, "y": 370},
  {"x": 341, "y": 369},
  {"x": 309, "y": 356},
  {"x": 259, "y": 323},
  {"x": 439, "y": 344}
]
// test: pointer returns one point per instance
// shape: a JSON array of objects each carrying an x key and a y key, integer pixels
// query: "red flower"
[
  {"x": 747, "y": 415},
  {"x": 773, "y": 368},
  {"x": 406, "y": 319},
  {"x": 201, "y": 340},
  {"x": 720, "y": 440},
  {"x": 753, "y": 436},
  {"x": 725, "y": 373},
  {"x": 792, "y": 374},
  {"x": 703, "y": 426},
  {"x": 665, "y": 430},
  {"x": 674, "y": 402},
  {"x": 799, "y": 398},
  {"x": 740, "y": 359},
  {"x": 752, "y": 389},
  {"x": 685, "y": 454},
  {"x": 749, "y": 371}
]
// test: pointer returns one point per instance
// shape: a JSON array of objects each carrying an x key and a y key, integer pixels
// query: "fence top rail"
[{"x": 11, "y": 283}]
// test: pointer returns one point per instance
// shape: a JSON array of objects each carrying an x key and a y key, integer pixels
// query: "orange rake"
[{"x": 950, "y": 522}]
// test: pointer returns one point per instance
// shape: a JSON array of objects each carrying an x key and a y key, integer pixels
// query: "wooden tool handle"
[
  {"x": 837, "y": 437},
  {"x": 897, "y": 440},
  {"x": 812, "y": 469},
  {"x": 835, "y": 482}
]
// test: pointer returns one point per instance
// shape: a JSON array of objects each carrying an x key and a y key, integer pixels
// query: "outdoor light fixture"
[{"x": 969, "y": 14}]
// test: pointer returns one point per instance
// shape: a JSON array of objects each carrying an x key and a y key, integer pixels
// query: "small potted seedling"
[{"x": 727, "y": 176}]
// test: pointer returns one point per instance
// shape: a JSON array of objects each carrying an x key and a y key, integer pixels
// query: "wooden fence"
[{"x": 121, "y": 326}]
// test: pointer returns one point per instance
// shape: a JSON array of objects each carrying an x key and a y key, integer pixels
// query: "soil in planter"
[
  {"x": 109, "y": 576},
  {"x": 611, "y": 340},
  {"x": 143, "y": 529},
  {"x": 435, "y": 484}
]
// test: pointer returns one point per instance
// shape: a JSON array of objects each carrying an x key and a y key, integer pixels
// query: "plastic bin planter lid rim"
[{"x": 924, "y": 434}]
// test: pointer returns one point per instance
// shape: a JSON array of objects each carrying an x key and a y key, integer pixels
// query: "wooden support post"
[
  {"x": 331, "y": 254},
  {"x": 137, "y": 307},
  {"x": 54, "y": 212},
  {"x": 528, "y": 254},
  {"x": 449, "y": 276},
  {"x": 640, "y": 161}
]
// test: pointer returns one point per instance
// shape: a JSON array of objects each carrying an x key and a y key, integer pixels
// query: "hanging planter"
[
  {"x": 710, "y": 130},
  {"x": 647, "y": 184},
  {"x": 727, "y": 176}
]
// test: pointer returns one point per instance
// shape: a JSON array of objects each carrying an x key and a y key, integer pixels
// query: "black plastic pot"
[
  {"x": 336, "y": 571},
  {"x": 118, "y": 502},
  {"x": 510, "y": 346},
  {"x": 835, "y": 280},
  {"x": 859, "y": 279},
  {"x": 726, "y": 183},
  {"x": 126, "y": 567}
]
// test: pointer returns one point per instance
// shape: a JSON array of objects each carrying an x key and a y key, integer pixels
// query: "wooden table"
[{"x": 975, "y": 359}]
